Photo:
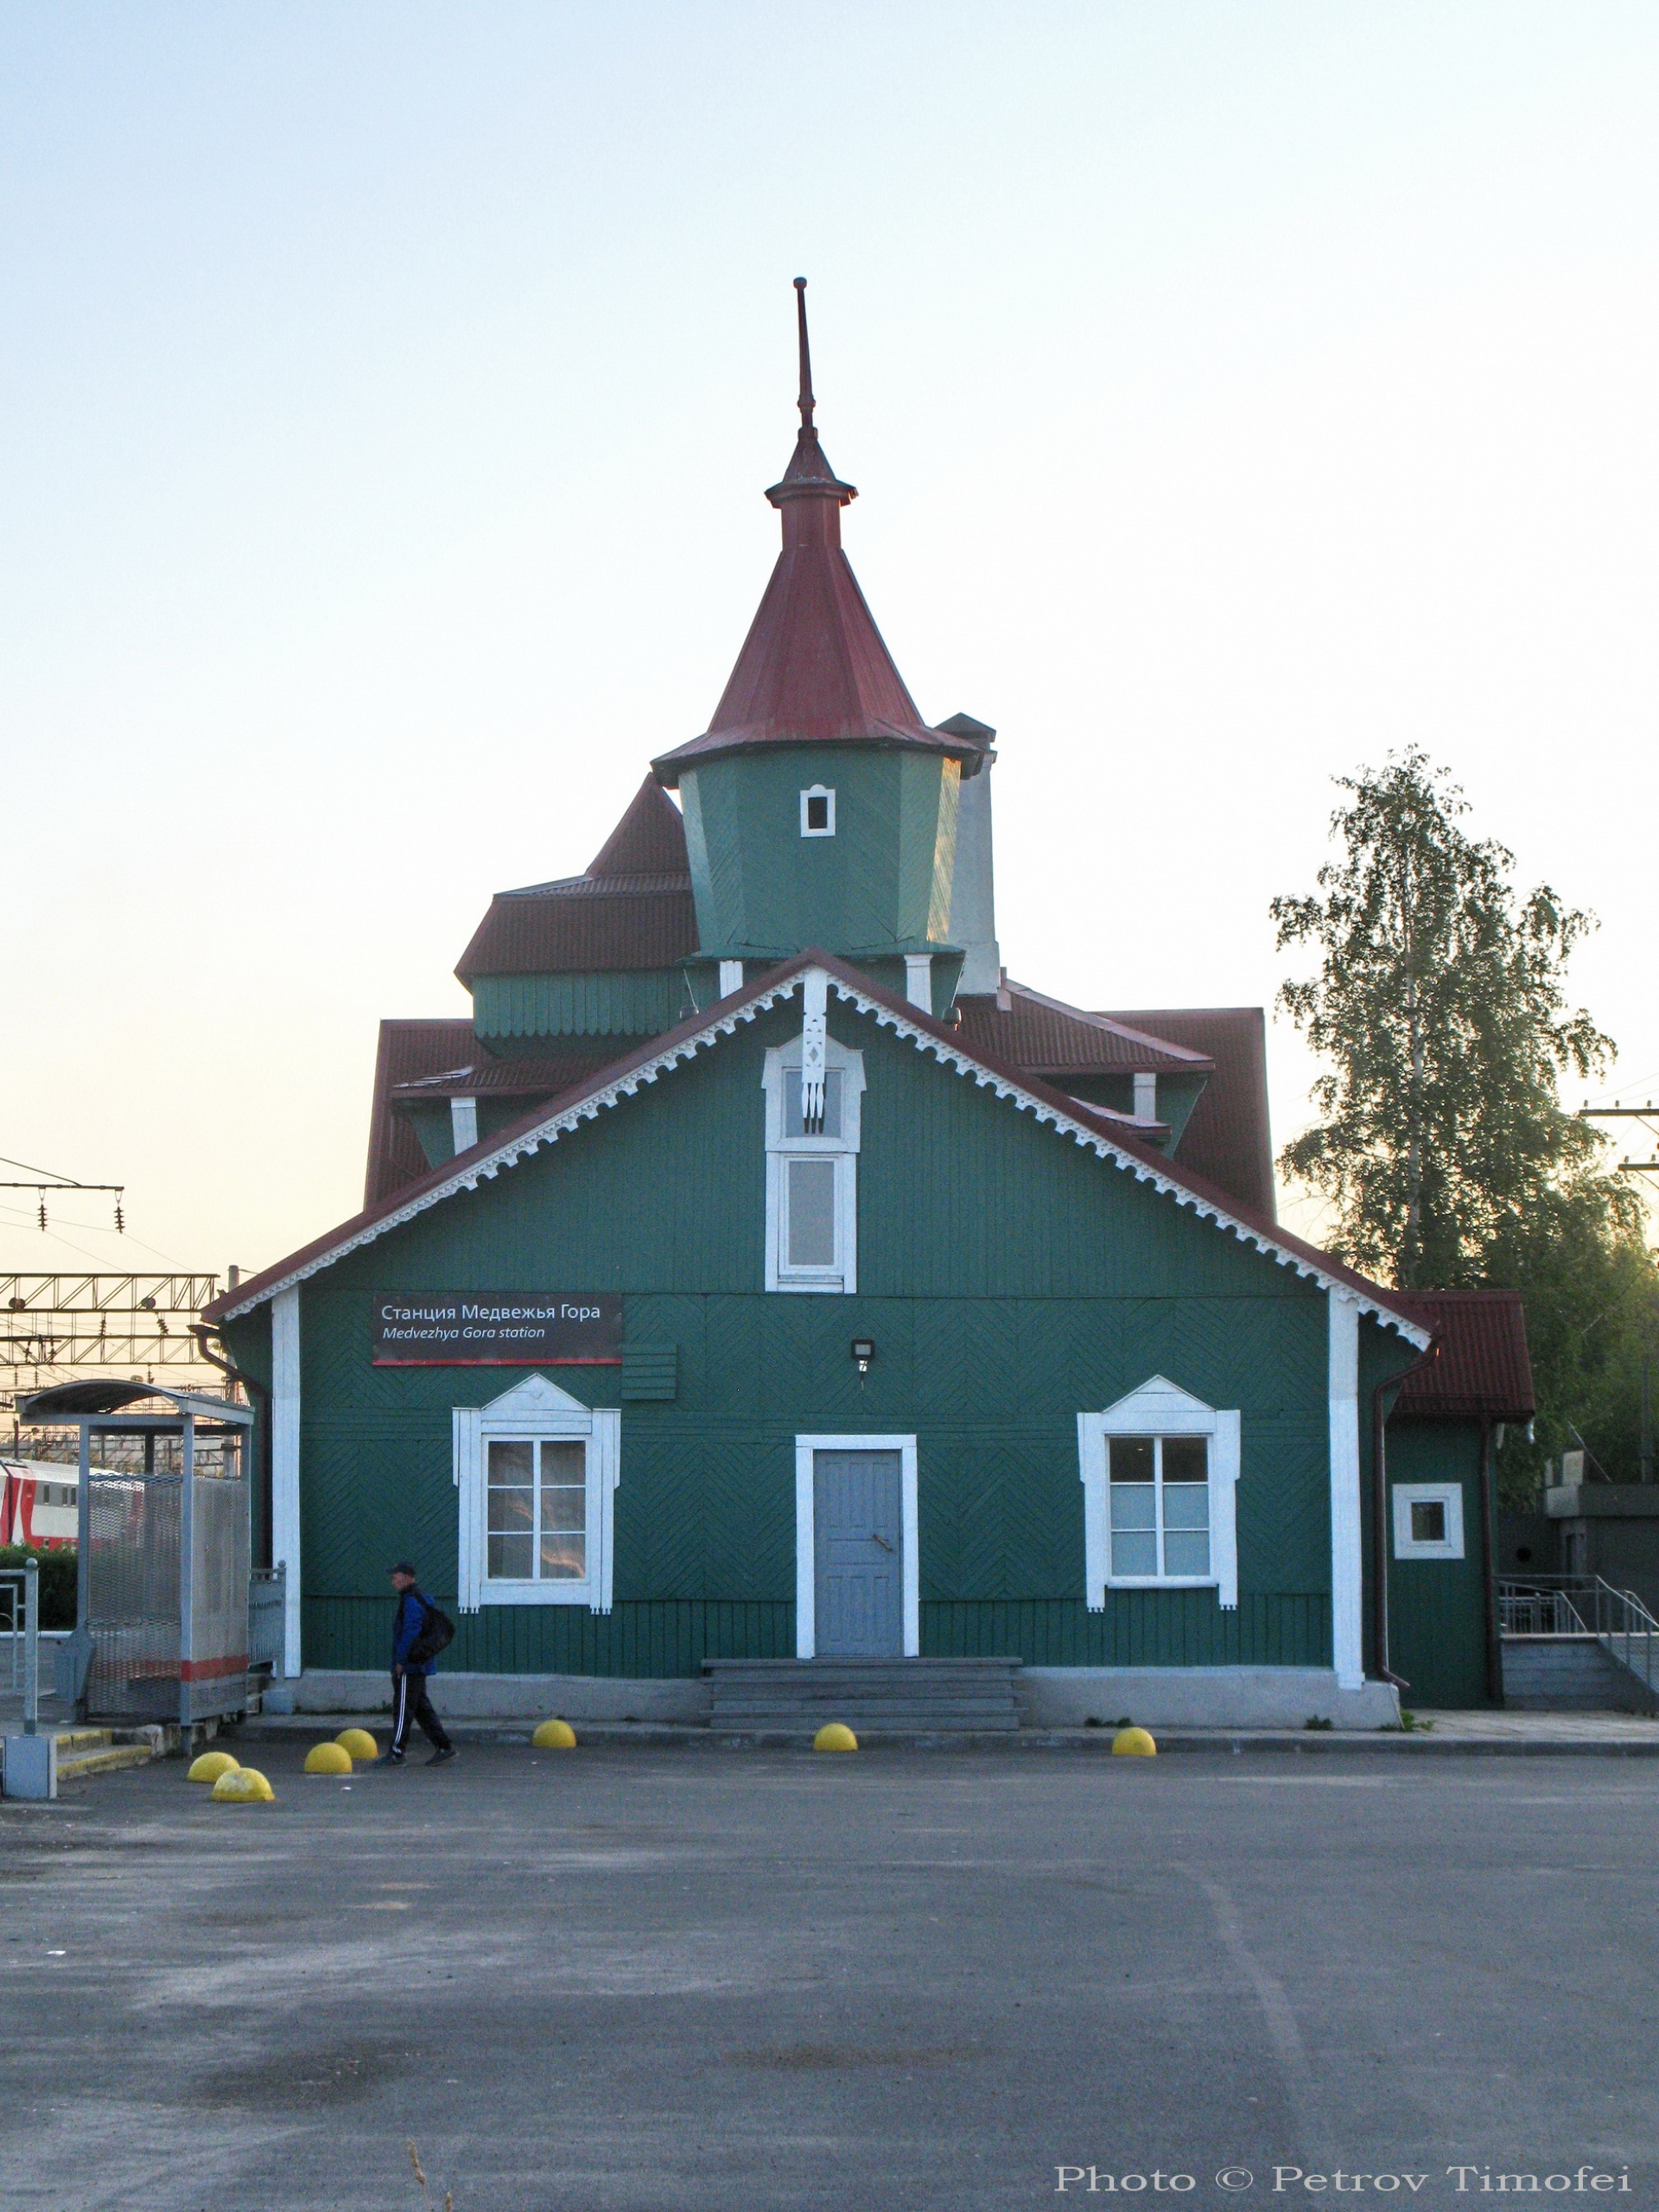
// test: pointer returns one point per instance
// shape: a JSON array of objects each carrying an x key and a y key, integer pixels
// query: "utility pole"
[
  {"x": 1647, "y": 1420},
  {"x": 1647, "y": 1113}
]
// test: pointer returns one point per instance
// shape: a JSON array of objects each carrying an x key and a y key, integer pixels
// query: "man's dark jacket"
[{"x": 407, "y": 1623}]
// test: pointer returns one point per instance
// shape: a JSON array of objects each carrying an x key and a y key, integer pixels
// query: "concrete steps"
[
  {"x": 1568, "y": 1673},
  {"x": 85, "y": 1751},
  {"x": 900, "y": 1696}
]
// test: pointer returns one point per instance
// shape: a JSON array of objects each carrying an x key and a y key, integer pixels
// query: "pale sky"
[{"x": 1234, "y": 392}]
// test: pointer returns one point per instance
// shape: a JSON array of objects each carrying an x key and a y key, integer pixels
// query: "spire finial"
[{"x": 806, "y": 401}]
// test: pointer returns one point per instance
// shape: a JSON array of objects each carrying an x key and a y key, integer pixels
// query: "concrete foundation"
[
  {"x": 1048, "y": 1697},
  {"x": 501, "y": 1697},
  {"x": 1199, "y": 1697}
]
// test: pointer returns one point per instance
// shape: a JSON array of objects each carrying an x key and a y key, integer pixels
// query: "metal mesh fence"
[
  {"x": 219, "y": 1597},
  {"x": 133, "y": 1594}
]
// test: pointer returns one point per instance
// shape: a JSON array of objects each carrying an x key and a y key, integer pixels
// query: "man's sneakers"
[
  {"x": 442, "y": 1758},
  {"x": 390, "y": 1758}
]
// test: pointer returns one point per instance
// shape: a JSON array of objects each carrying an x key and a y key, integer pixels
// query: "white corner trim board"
[
  {"x": 806, "y": 1565},
  {"x": 1160, "y": 1408},
  {"x": 606, "y": 1095},
  {"x": 536, "y": 1409},
  {"x": 285, "y": 1463},
  {"x": 463, "y": 1123},
  {"x": 1347, "y": 1655}
]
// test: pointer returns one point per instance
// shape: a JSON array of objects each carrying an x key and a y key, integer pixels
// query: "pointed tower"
[{"x": 820, "y": 808}]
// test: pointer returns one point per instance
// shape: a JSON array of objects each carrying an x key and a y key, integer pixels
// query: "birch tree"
[{"x": 1440, "y": 1010}]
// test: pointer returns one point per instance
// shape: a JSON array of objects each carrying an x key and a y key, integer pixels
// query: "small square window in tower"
[{"x": 817, "y": 811}]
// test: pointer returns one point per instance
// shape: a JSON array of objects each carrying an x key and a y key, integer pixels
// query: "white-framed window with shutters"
[
  {"x": 1159, "y": 1474},
  {"x": 812, "y": 1174},
  {"x": 537, "y": 1473}
]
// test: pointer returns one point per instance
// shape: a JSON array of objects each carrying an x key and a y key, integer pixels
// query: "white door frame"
[{"x": 806, "y": 1565}]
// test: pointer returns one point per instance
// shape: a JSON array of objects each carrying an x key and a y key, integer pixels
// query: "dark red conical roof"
[{"x": 814, "y": 669}]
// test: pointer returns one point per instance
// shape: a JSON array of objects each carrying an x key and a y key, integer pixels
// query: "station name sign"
[{"x": 492, "y": 1328}]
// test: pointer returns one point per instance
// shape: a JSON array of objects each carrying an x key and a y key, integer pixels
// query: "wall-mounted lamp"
[{"x": 863, "y": 1352}]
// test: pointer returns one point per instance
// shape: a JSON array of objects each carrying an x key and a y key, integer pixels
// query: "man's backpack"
[{"x": 436, "y": 1631}]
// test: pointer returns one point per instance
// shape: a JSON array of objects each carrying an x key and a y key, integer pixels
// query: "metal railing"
[
  {"x": 20, "y": 1592},
  {"x": 1583, "y": 1606}
]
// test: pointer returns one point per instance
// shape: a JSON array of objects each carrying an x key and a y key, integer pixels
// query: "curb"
[{"x": 1080, "y": 1742}]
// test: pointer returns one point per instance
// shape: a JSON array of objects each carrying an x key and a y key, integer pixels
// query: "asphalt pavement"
[{"x": 625, "y": 1978}]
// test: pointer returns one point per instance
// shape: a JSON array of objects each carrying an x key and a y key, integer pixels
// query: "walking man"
[{"x": 414, "y": 1655}]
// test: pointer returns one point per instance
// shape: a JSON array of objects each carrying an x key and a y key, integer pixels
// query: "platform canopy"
[{"x": 74, "y": 1401}]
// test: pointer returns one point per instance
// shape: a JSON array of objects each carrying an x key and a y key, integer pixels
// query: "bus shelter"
[{"x": 161, "y": 1621}]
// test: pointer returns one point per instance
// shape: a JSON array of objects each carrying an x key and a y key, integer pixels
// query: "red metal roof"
[
  {"x": 1227, "y": 1137},
  {"x": 814, "y": 669},
  {"x": 1049, "y": 1037},
  {"x": 631, "y": 909},
  {"x": 649, "y": 840},
  {"x": 485, "y": 1077},
  {"x": 665, "y": 1049},
  {"x": 1482, "y": 1371},
  {"x": 406, "y": 1050}
]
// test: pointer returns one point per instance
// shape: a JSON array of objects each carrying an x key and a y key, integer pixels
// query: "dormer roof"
[{"x": 631, "y": 908}]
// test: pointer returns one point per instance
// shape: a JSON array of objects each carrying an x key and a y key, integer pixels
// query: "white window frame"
[
  {"x": 1405, "y": 1495},
  {"x": 783, "y": 1067},
  {"x": 536, "y": 1409},
  {"x": 818, "y": 791},
  {"x": 1160, "y": 1408},
  {"x": 806, "y": 1534}
]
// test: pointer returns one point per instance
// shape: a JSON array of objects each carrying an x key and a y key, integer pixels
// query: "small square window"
[
  {"x": 817, "y": 811},
  {"x": 1428, "y": 1520}
]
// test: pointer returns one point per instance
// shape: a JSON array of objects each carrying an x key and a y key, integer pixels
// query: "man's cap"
[{"x": 403, "y": 1567}]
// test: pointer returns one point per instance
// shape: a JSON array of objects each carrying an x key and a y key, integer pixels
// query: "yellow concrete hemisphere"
[
  {"x": 358, "y": 1743},
  {"x": 835, "y": 1736},
  {"x": 243, "y": 1785},
  {"x": 327, "y": 1758},
  {"x": 210, "y": 1766},
  {"x": 555, "y": 1736},
  {"x": 1134, "y": 1743}
]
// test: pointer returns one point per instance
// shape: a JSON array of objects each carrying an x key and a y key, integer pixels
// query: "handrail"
[{"x": 1583, "y": 1605}]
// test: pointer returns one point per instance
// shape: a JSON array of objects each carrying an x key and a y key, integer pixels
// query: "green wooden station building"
[{"x": 760, "y": 1276}]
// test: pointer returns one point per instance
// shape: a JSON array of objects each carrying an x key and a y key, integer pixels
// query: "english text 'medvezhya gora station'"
[{"x": 760, "y": 1275}]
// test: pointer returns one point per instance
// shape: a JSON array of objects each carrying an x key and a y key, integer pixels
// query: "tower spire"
[
  {"x": 813, "y": 669},
  {"x": 808, "y": 477},
  {"x": 806, "y": 402}
]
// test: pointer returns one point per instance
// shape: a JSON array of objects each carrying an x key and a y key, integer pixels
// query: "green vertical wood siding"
[
  {"x": 628, "y": 1003},
  {"x": 1437, "y": 1623},
  {"x": 1010, "y": 1280},
  {"x": 883, "y": 880}
]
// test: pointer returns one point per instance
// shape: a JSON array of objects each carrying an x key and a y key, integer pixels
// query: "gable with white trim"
[{"x": 1069, "y": 1126}]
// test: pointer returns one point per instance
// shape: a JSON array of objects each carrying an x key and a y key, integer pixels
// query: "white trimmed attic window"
[
  {"x": 812, "y": 1178},
  {"x": 1160, "y": 1474},
  {"x": 817, "y": 811},
  {"x": 1428, "y": 1520}
]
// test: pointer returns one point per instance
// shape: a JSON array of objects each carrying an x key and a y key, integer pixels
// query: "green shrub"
[{"x": 57, "y": 1582}]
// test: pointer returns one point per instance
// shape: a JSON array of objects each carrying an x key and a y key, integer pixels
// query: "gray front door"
[{"x": 858, "y": 1556}]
